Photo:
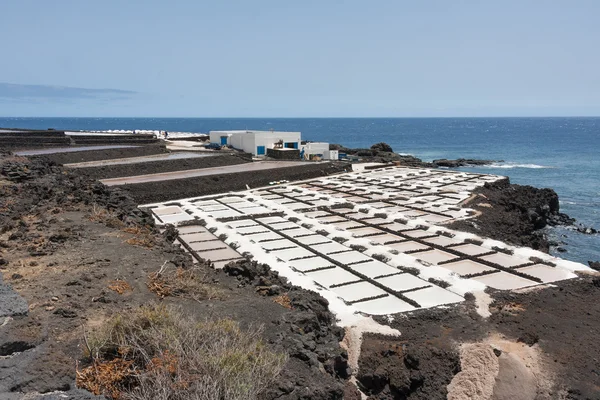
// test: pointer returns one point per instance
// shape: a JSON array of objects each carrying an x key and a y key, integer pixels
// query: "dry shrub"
[
  {"x": 119, "y": 286},
  {"x": 171, "y": 356},
  {"x": 179, "y": 282},
  {"x": 106, "y": 377}
]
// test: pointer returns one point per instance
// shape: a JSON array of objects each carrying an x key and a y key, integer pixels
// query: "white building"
[{"x": 256, "y": 142}]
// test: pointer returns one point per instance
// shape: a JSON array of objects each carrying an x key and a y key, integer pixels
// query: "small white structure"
[
  {"x": 318, "y": 148},
  {"x": 256, "y": 142}
]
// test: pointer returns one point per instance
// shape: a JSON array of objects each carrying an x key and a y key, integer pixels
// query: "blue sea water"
[{"x": 560, "y": 153}]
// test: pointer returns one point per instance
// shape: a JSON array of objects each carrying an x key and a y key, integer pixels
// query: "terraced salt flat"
[{"x": 371, "y": 242}]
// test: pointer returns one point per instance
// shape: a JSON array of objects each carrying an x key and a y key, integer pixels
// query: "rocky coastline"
[{"x": 74, "y": 252}]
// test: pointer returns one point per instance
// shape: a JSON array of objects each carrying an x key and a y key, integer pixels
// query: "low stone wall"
[
  {"x": 190, "y": 187},
  {"x": 17, "y": 138},
  {"x": 105, "y": 154}
]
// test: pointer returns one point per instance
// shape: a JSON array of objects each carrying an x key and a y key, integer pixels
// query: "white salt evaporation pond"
[{"x": 370, "y": 242}]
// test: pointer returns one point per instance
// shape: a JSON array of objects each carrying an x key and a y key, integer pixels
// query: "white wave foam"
[{"x": 513, "y": 165}]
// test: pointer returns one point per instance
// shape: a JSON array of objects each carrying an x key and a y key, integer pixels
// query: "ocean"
[{"x": 560, "y": 153}]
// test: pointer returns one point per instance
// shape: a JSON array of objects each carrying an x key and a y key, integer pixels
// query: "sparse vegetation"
[
  {"x": 120, "y": 286},
  {"x": 143, "y": 236},
  {"x": 104, "y": 216},
  {"x": 155, "y": 352},
  {"x": 179, "y": 282}
]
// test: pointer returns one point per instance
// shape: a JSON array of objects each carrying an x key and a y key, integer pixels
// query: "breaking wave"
[{"x": 512, "y": 165}]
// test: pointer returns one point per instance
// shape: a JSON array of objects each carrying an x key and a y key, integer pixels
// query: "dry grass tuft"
[
  {"x": 283, "y": 300},
  {"x": 143, "y": 236},
  {"x": 179, "y": 282},
  {"x": 119, "y": 286},
  {"x": 104, "y": 216},
  {"x": 156, "y": 352}
]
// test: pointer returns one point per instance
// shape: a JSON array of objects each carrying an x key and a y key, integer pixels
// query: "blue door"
[
  {"x": 260, "y": 150},
  {"x": 223, "y": 140}
]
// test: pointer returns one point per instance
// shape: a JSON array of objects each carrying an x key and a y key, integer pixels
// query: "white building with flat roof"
[{"x": 256, "y": 142}]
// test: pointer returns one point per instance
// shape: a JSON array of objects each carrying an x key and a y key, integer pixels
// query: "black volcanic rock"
[{"x": 461, "y": 162}]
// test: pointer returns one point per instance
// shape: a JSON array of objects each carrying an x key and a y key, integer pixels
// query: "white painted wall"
[{"x": 248, "y": 141}]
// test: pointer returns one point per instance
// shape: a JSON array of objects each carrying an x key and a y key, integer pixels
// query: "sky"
[{"x": 310, "y": 58}]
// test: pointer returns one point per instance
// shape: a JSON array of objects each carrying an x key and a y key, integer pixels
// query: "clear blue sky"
[{"x": 277, "y": 58}]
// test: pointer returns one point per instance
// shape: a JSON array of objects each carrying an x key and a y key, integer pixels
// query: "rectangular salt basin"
[
  {"x": 260, "y": 237},
  {"x": 332, "y": 276},
  {"x": 433, "y": 296},
  {"x": 471, "y": 249},
  {"x": 197, "y": 237},
  {"x": 402, "y": 282},
  {"x": 313, "y": 239},
  {"x": 283, "y": 226},
  {"x": 467, "y": 267},
  {"x": 346, "y": 225},
  {"x": 277, "y": 244},
  {"x": 350, "y": 257},
  {"x": 435, "y": 218},
  {"x": 332, "y": 247},
  {"x": 291, "y": 254},
  {"x": 504, "y": 281},
  {"x": 373, "y": 269},
  {"x": 441, "y": 241},
  {"x": 385, "y": 238},
  {"x": 174, "y": 218},
  {"x": 224, "y": 214},
  {"x": 255, "y": 210},
  {"x": 396, "y": 227},
  {"x": 547, "y": 273},
  {"x": 185, "y": 230},
  {"x": 418, "y": 233},
  {"x": 407, "y": 246},
  {"x": 307, "y": 264},
  {"x": 434, "y": 256},
  {"x": 383, "y": 306},
  {"x": 504, "y": 259},
  {"x": 231, "y": 200},
  {"x": 222, "y": 264},
  {"x": 219, "y": 255},
  {"x": 316, "y": 214},
  {"x": 207, "y": 245},
  {"x": 298, "y": 231},
  {"x": 167, "y": 210},
  {"x": 250, "y": 230},
  {"x": 366, "y": 231},
  {"x": 357, "y": 291},
  {"x": 242, "y": 224},
  {"x": 272, "y": 220}
]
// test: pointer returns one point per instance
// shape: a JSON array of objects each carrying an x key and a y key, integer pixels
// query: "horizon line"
[{"x": 331, "y": 117}]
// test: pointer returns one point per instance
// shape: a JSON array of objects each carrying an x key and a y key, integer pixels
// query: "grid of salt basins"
[{"x": 374, "y": 239}]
